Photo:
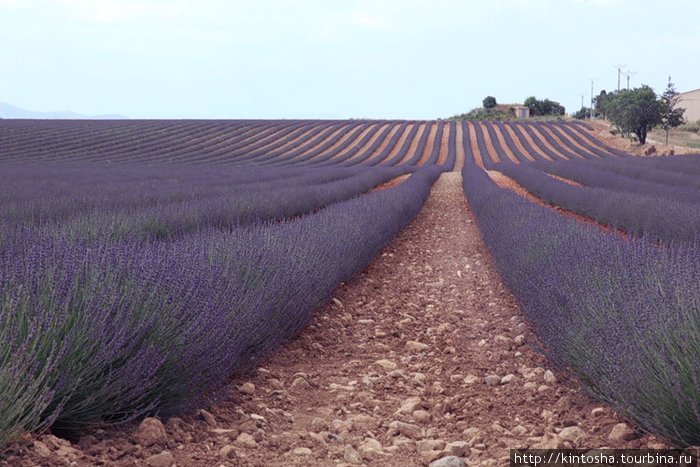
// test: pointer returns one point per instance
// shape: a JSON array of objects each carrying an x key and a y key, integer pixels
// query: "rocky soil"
[{"x": 422, "y": 359}]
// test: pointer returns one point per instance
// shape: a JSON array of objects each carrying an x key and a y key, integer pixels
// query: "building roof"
[{"x": 688, "y": 92}]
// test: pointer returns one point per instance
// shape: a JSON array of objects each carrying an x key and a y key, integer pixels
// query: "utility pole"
[
  {"x": 581, "y": 100},
  {"x": 591, "y": 98},
  {"x": 628, "y": 74},
  {"x": 619, "y": 73}
]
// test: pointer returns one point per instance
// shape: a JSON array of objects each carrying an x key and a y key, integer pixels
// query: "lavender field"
[{"x": 142, "y": 264}]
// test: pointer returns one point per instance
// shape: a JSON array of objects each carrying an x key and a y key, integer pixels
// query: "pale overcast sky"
[{"x": 334, "y": 58}]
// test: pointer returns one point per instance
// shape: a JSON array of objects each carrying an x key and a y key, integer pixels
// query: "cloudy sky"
[{"x": 334, "y": 58}]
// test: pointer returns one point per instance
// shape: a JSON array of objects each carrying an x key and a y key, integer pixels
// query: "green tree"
[
  {"x": 601, "y": 103},
  {"x": 635, "y": 111},
  {"x": 671, "y": 115},
  {"x": 543, "y": 107},
  {"x": 489, "y": 102}
]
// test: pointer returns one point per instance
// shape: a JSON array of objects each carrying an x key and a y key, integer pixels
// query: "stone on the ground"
[
  {"x": 448, "y": 461},
  {"x": 247, "y": 388},
  {"x": 492, "y": 380},
  {"x": 430, "y": 445},
  {"x": 351, "y": 456},
  {"x": 573, "y": 434},
  {"x": 150, "y": 431},
  {"x": 227, "y": 452},
  {"x": 549, "y": 377},
  {"x": 408, "y": 430},
  {"x": 302, "y": 452},
  {"x": 164, "y": 459},
  {"x": 246, "y": 440},
  {"x": 300, "y": 383},
  {"x": 621, "y": 432},
  {"x": 410, "y": 405},
  {"x": 416, "y": 346},
  {"x": 208, "y": 418},
  {"x": 386, "y": 364},
  {"x": 507, "y": 378},
  {"x": 41, "y": 449},
  {"x": 598, "y": 411},
  {"x": 457, "y": 448},
  {"x": 421, "y": 416}
]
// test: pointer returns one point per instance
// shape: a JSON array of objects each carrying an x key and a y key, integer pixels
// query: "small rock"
[
  {"x": 227, "y": 452},
  {"x": 470, "y": 379},
  {"x": 40, "y": 449},
  {"x": 300, "y": 383},
  {"x": 338, "y": 302},
  {"x": 421, "y": 415},
  {"x": 164, "y": 459},
  {"x": 351, "y": 456},
  {"x": 457, "y": 448},
  {"x": 386, "y": 364},
  {"x": 246, "y": 440},
  {"x": 507, "y": 378},
  {"x": 208, "y": 418},
  {"x": 598, "y": 411},
  {"x": 410, "y": 405},
  {"x": 319, "y": 424},
  {"x": 519, "y": 339},
  {"x": 622, "y": 432},
  {"x": 429, "y": 456},
  {"x": 302, "y": 452},
  {"x": 415, "y": 346},
  {"x": 492, "y": 380},
  {"x": 66, "y": 451},
  {"x": 572, "y": 433},
  {"x": 448, "y": 461},
  {"x": 406, "y": 429},
  {"x": 370, "y": 445},
  {"x": 549, "y": 441},
  {"x": 549, "y": 377},
  {"x": 430, "y": 445},
  {"x": 247, "y": 388},
  {"x": 231, "y": 433},
  {"x": 150, "y": 431},
  {"x": 54, "y": 442}
]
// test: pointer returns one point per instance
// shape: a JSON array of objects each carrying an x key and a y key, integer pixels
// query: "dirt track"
[{"x": 410, "y": 340}]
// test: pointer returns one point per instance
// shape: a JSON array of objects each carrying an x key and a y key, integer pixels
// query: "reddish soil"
[
  {"x": 401, "y": 141},
  {"x": 459, "y": 142},
  {"x": 433, "y": 128},
  {"x": 444, "y": 145},
  {"x": 603, "y": 133},
  {"x": 532, "y": 143},
  {"x": 504, "y": 146},
  {"x": 490, "y": 150},
  {"x": 505, "y": 181},
  {"x": 542, "y": 142},
  {"x": 386, "y": 374},
  {"x": 478, "y": 160},
  {"x": 359, "y": 137},
  {"x": 414, "y": 144},
  {"x": 386, "y": 141},
  {"x": 566, "y": 142},
  {"x": 517, "y": 143},
  {"x": 353, "y": 147},
  {"x": 391, "y": 183}
]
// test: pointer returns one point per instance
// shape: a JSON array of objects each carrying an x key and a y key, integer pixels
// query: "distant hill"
[{"x": 12, "y": 111}]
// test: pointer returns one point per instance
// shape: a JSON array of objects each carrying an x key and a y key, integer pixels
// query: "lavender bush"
[
  {"x": 622, "y": 315},
  {"x": 102, "y": 332}
]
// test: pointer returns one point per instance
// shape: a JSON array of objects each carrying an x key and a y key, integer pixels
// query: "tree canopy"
[
  {"x": 671, "y": 115},
  {"x": 635, "y": 111}
]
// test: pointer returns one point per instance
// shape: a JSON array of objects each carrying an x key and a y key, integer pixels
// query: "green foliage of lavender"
[
  {"x": 99, "y": 332},
  {"x": 622, "y": 315}
]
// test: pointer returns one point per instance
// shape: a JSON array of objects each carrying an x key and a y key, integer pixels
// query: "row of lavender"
[
  {"x": 656, "y": 198},
  {"x": 159, "y": 203},
  {"x": 102, "y": 330},
  {"x": 622, "y": 315},
  {"x": 298, "y": 142}
]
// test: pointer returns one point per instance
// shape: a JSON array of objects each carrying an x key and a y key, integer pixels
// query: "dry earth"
[
  {"x": 421, "y": 356},
  {"x": 603, "y": 133}
]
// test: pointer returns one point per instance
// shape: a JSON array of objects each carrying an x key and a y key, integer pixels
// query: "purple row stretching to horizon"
[
  {"x": 622, "y": 315},
  {"x": 101, "y": 330},
  {"x": 298, "y": 143},
  {"x": 656, "y": 211}
]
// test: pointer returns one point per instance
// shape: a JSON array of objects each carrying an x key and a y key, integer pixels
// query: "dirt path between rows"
[{"x": 422, "y": 355}]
